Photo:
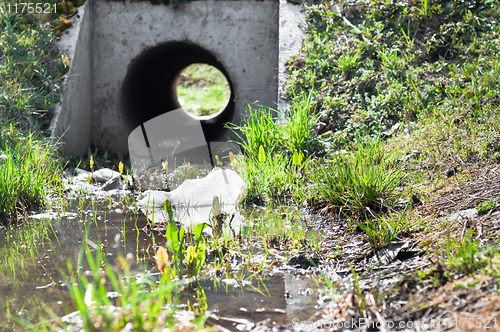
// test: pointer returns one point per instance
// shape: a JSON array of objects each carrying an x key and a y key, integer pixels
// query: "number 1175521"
[{"x": 30, "y": 8}]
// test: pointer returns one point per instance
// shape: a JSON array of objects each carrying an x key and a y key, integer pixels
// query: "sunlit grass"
[
  {"x": 31, "y": 72},
  {"x": 397, "y": 63},
  {"x": 203, "y": 89},
  {"x": 276, "y": 150},
  {"x": 27, "y": 172},
  {"x": 359, "y": 177},
  {"x": 141, "y": 303}
]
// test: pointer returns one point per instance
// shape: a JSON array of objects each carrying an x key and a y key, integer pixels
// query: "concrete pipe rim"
[{"x": 150, "y": 88}]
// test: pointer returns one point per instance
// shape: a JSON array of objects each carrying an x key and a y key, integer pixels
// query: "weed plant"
[
  {"x": 176, "y": 245},
  {"x": 486, "y": 207}
]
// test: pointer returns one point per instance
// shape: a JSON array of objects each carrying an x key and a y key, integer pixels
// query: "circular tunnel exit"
[{"x": 151, "y": 83}]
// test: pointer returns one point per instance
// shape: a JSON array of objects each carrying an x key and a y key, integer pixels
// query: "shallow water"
[{"x": 38, "y": 283}]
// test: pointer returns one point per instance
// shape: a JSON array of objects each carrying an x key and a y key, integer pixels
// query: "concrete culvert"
[
  {"x": 126, "y": 56},
  {"x": 150, "y": 86}
]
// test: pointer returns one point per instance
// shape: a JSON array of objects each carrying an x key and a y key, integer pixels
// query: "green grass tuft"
[
  {"x": 359, "y": 177},
  {"x": 277, "y": 148},
  {"x": 486, "y": 207},
  {"x": 27, "y": 172},
  {"x": 142, "y": 303}
]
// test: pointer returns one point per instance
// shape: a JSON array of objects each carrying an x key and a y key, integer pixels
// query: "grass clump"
[
  {"x": 297, "y": 128},
  {"x": 279, "y": 161},
  {"x": 141, "y": 304},
  {"x": 288, "y": 132},
  {"x": 27, "y": 172},
  {"x": 266, "y": 178},
  {"x": 358, "y": 177},
  {"x": 468, "y": 258},
  {"x": 30, "y": 74},
  {"x": 277, "y": 151},
  {"x": 380, "y": 230}
]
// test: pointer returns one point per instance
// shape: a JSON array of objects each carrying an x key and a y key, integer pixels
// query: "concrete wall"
[
  {"x": 72, "y": 118},
  {"x": 242, "y": 35},
  {"x": 292, "y": 33}
]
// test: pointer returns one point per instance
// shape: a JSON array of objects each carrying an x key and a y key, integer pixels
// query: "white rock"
[
  {"x": 225, "y": 184},
  {"x": 105, "y": 174},
  {"x": 193, "y": 200}
]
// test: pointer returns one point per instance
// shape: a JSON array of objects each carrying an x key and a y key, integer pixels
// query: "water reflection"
[
  {"x": 198, "y": 200},
  {"x": 263, "y": 300},
  {"x": 40, "y": 285}
]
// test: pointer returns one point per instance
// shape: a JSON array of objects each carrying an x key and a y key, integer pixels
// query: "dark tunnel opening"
[{"x": 149, "y": 89}]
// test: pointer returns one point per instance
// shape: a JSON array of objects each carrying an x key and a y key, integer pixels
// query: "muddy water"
[{"x": 38, "y": 283}]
